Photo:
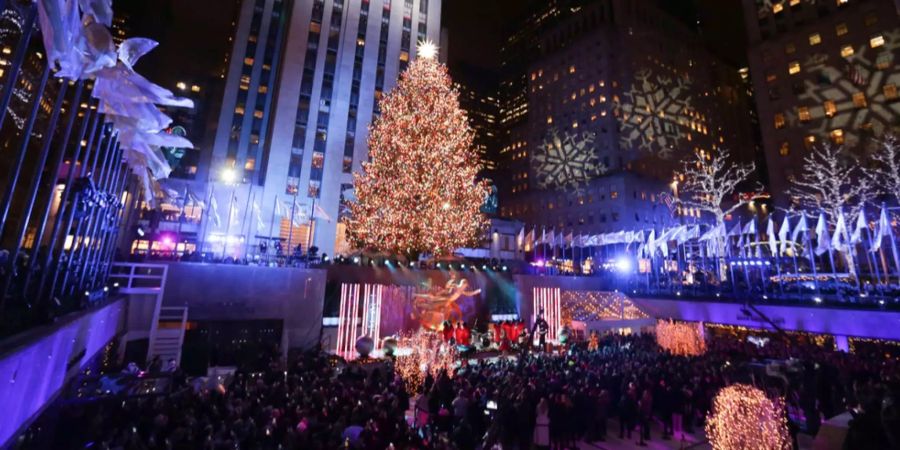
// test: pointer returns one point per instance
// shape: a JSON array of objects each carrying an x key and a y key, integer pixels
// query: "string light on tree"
[
  {"x": 680, "y": 338},
  {"x": 743, "y": 418},
  {"x": 418, "y": 193}
]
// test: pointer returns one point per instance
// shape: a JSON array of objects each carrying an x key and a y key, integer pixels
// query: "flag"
[
  {"x": 281, "y": 209},
  {"x": 651, "y": 243},
  {"x": 520, "y": 239},
  {"x": 319, "y": 213},
  {"x": 801, "y": 227},
  {"x": 783, "y": 234},
  {"x": 233, "y": 208},
  {"x": 840, "y": 228},
  {"x": 214, "y": 209},
  {"x": 529, "y": 239},
  {"x": 823, "y": 241},
  {"x": 750, "y": 227},
  {"x": 770, "y": 236},
  {"x": 298, "y": 215},
  {"x": 260, "y": 226},
  {"x": 569, "y": 240},
  {"x": 735, "y": 230},
  {"x": 550, "y": 238},
  {"x": 861, "y": 224},
  {"x": 882, "y": 228}
]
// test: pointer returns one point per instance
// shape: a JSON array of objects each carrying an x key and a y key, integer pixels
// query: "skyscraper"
[
  {"x": 618, "y": 95},
  {"x": 301, "y": 87},
  {"x": 823, "y": 71}
]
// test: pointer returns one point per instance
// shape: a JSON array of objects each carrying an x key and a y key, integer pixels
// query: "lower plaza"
[{"x": 439, "y": 225}]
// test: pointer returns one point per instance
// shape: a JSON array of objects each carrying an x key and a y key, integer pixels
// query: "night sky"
[{"x": 193, "y": 41}]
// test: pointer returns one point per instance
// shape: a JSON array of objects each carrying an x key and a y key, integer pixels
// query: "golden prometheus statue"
[{"x": 433, "y": 307}]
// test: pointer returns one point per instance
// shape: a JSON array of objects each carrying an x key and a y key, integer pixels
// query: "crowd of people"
[{"x": 537, "y": 400}]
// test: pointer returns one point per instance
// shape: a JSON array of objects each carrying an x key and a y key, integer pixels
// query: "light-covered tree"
[
  {"x": 886, "y": 170},
  {"x": 711, "y": 181},
  {"x": 832, "y": 183},
  {"x": 419, "y": 193}
]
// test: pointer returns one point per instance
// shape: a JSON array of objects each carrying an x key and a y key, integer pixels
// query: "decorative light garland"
[
  {"x": 743, "y": 418},
  {"x": 681, "y": 338}
]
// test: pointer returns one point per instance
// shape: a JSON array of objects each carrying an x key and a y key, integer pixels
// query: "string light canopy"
[
  {"x": 418, "y": 192},
  {"x": 743, "y": 418}
]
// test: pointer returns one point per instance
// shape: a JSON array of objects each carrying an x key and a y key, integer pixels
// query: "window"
[
  {"x": 790, "y": 49},
  {"x": 830, "y": 108},
  {"x": 876, "y": 41},
  {"x": 258, "y": 114},
  {"x": 249, "y": 164},
  {"x": 815, "y": 39},
  {"x": 794, "y": 67},
  {"x": 884, "y": 60},
  {"x": 840, "y": 29},
  {"x": 785, "y": 149},
  {"x": 779, "y": 121},
  {"x": 803, "y": 113},
  {"x": 847, "y": 51},
  {"x": 809, "y": 141},
  {"x": 771, "y": 77},
  {"x": 890, "y": 91},
  {"x": 248, "y": 61},
  {"x": 871, "y": 19},
  {"x": 263, "y": 89},
  {"x": 837, "y": 136},
  {"x": 239, "y": 110},
  {"x": 318, "y": 160},
  {"x": 859, "y": 99}
]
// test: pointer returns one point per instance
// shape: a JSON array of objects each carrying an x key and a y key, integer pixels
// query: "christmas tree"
[{"x": 418, "y": 192}]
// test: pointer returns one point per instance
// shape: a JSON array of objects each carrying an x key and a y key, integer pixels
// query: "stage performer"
[
  {"x": 542, "y": 328},
  {"x": 464, "y": 335},
  {"x": 447, "y": 331},
  {"x": 508, "y": 331},
  {"x": 519, "y": 327},
  {"x": 496, "y": 327},
  {"x": 504, "y": 339},
  {"x": 594, "y": 342}
]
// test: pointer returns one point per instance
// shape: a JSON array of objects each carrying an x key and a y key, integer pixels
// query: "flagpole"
[
  {"x": 311, "y": 232},
  {"x": 204, "y": 221},
  {"x": 271, "y": 226},
  {"x": 228, "y": 226},
  {"x": 812, "y": 260},
  {"x": 247, "y": 221},
  {"x": 290, "y": 243},
  {"x": 894, "y": 250}
]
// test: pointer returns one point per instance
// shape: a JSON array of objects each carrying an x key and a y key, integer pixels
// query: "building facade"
[
  {"x": 618, "y": 96},
  {"x": 823, "y": 71},
  {"x": 302, "y": 85}
]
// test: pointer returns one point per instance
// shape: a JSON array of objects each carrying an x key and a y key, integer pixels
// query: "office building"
[
  {"x": 619, "y": 94},
  {"x": 822, "y": 71}
]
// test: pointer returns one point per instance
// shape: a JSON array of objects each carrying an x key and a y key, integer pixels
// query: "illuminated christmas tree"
[{"x": 418, "y": 193}]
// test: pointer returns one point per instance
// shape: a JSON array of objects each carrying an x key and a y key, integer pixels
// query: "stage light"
[
  {"x": 504, "y": 268},
  {"x": 623, "y": 265},
  {"x": 115, "y": 285},
  {"x": 483, "y": 267},
  {"x": 356, "y": 260},
  {"x": 325, "y": 258},
  {"x": 817, "y": 299},
  {"x": 438, "y": 265},
  {"x": 140, "y": 232},
  {"x": 228, "y": 176},
  {"x": 87, "y": 294},
  {"x": 412, "y": 264},
  {"x": 105, "y": 288}
]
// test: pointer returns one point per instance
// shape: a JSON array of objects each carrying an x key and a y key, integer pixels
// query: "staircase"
[{"x": 167, "y": 335}]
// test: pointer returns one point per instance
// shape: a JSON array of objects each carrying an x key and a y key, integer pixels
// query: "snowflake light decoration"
[
  {"x": 657, "y": 114},
  {"x": 566, "y": 160},
  {"x": 868, "y": 70}
]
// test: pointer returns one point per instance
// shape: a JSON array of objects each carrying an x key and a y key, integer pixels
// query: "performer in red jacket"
[{"x": 447, "y": 331}]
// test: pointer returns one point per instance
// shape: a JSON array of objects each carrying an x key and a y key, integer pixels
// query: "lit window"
[
  {"x": 779, "y": 121},
  {"x": 318, "y": 160},
  {"x": 258, "y": 114},
  {"x": 571, "y": 69},
  {"x": 404, "y": 56},
  {"x": 794, "y": 67},
  {"x": 263, "y": 89},
  {"x": 790, "y": 48},
  {"x": 777, "y": 8},
  {"x": 360, "y": 42},
  {"x": 614, "y": 195},
  {"x": 549, "y": 120},
  {"x": 837, "y": 136},
  {"x": 859, "y": 99},
  {"x": 785, "y": 149},
  {"x": 890, "y": 91},
  {"x": 840, "y": 29},
  {"x": 249, "y": 164},
  {"x": 884, "y": 60},
  {"x": 876, "y": 41},
  {"x": 815, "y": 39},
  {"x": 847, "y": 51},
  {"x": 195, "y": 88},
  {"x": 842, "y": 2},
  {"x": 803, "y": 113},
  {"x": 809, "y": 141},
  {"x": 248, "y": 61},
  {"x": 770, "y": 78},
  {"x": 239, "y": 110},
  {"x": 830, "y": 108}
]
